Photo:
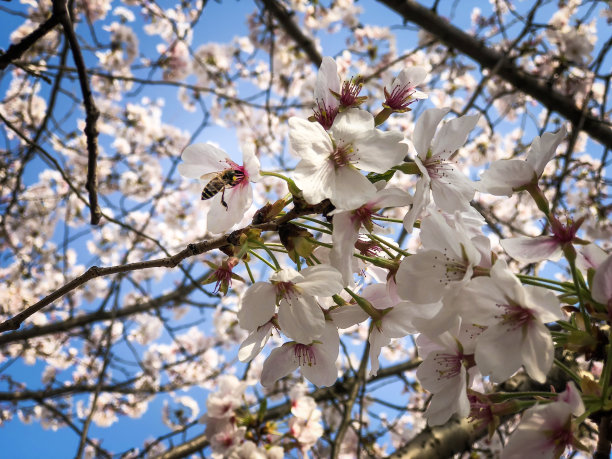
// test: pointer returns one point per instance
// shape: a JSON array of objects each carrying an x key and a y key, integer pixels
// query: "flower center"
[
  {"x": 514, "y": 315},
  {"x": 438, "y": 169},
  {"x": 285, "y": 289},
  {"x": 341, "y": 156},
  {"x": 304, "y": 355},
  {"x": 400, "y": 97},
  {"x": 325, "y": 115},
  {"x": 448, "y": 366}
]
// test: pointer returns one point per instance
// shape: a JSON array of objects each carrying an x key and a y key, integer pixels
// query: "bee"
[{"x": 227, "y": 178}]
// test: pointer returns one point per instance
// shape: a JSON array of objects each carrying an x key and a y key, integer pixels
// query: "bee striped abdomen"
[{"x": 225, "y": 179}]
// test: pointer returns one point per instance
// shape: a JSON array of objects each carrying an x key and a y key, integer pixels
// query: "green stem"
[
  {"x": 293, "y": 189},
  {"x": 255, "y": 254},
  {"x": 388, "y": 244},
  {"x": 314, "y": 220},
  {"x": 387, "y": 219},
  {"x": 314, "y": 228},
  {"x": 605, "y": 373},
  {"x": 248, "y": 268}
]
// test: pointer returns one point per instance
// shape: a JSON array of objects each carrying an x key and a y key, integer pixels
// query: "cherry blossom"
[
  {"x": 316, "y": 360},
  {"x": 451, "y": 189},
  {"x": 329, "y": 161}
]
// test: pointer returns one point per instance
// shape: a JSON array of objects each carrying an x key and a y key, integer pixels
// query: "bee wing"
[{"x": 209, "y": 176}]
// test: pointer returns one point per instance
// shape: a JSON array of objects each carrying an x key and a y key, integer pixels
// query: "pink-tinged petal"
[
  {"x": 377, "y": 341},
  {"x": 571, "y": 396},
  {"x": 437, "y": 235},
  {"x": 425, "y": 129},
  {"x": 251, "y": 162},
  {"x": 601, "y": 290},
  {"x": 279, "y": 364},
  {"x": 504, "y": 176},
  {"x": 492, "y": 356},
  {"x": 351, "y": 189},
  {"x": 317, "y": 182},
  {"x": 543, "y": 149},
  {"x": 350, "y": 124},
  {"x": 254, "y": 343},
  {"x": 537, "y": 351},
  {"x": 378, "y": 295},
  {"x": 238, "y": 200},
  {"x": 590, "y": 256},
  {"x": 258, "y": 305},
  {"x": 327, "y": 79},
  {"x": 287, "y": 275},
  {"x": 452, "y": 135},
  {"x": 453, "y": 192},
  {"x": 348, "y": 315},
  {"x": 309, "y": 141},
  {"x": 321, "y": 280},
  {"x": 301, "y": 318},
  {"x": 378, "y": 151},
  {"x": 532, "y": 249}
]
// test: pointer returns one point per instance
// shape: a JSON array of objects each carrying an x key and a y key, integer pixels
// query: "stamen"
[{"x": 304, "y": 355}]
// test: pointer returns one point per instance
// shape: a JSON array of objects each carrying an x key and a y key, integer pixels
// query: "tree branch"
[
  {"x": 487, "y": 57},
  {"x": 60, "y": 10},
  {"x": 16, "y": 50}
]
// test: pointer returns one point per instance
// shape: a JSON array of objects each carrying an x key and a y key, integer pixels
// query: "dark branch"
[
  {"x": 16, "y": 50},
  {"x": 455, "y": 38}
]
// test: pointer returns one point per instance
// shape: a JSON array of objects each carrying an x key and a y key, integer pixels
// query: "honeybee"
[{"x": 227, "y": 178}]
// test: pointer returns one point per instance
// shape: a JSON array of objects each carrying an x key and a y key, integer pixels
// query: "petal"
[
  {"x": 391, "y": 197},
  {"x": 344, "y": 235},
  {"x": 348, "y": 315},
  {"x": 309, "y": 141},
  {"x": 251, "y": 162},
  {"x": 453, "y": 192},
  {"x": 504, "y": 176},
  {"x": 453, "y": 135},
  {"x": 378, "y": 151},
  {"x": 201, "y": 159},
  {"x": 398, "y": 322},
  {"x": 601, "y": 290},
  {"x": 411, "y": 76},
  {"x": 444, "y": 404},
  {"x": 420, "y": 276},
  {"x": 317, "y": 181},
  {"x": 324, "y": 371},
  {"x": 279, "y": 364},
  {"x": 538, "y": 351},
  {"x": 321, "y": 280},
  {"x": 258, "y": 305},
  {"x": 301, "y": 318},
  {"x": 420, "y": 201},
  {"x": 327, "y": 79},
  {"x": 238, "y": 200},
  {"x": 351, "y": 189},
  {"x": 532, "y": 249},
  {"x": 350, "y": 124},
  {"x": 377, "y": 341},
  {"x": 492, "y": 356},
  {"x": 254, "y": 343},
  {"x": 543, "y": 149},
  {"x": 425, "y": 129}
]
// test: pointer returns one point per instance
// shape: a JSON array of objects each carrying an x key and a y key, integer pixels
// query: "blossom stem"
[
  {"x": 314, "y": 228},
  {"x": 388, "y": 244},
  {"x": 538, "y": 196},
  {"x": 570, "y": 255},
  {"x": 248, "y": 268},
  {"x": 314, "y": 220},
  {"x": 386, "y": 219},
  {"x": 365, "y": 305},
  {"x": 529, "y": 280},
  {"x": 293, "y": 188},
  {"x": 256, "y": 255}
]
